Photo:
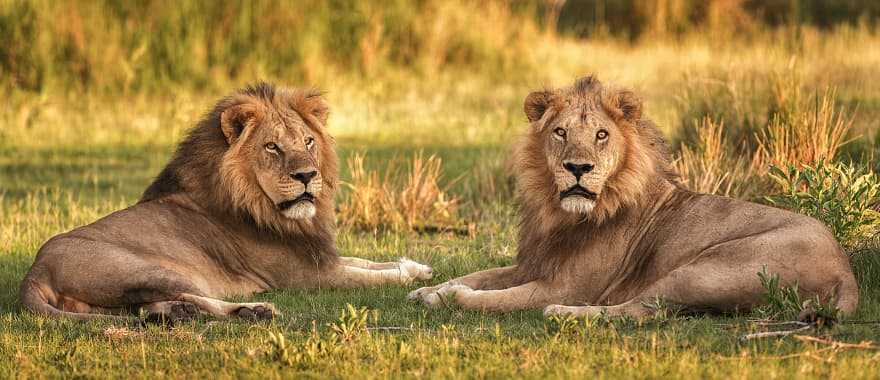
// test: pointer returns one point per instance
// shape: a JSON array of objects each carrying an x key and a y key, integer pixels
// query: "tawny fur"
[
  {"x": 607, "y": 227},
  {"x": 244, "y": 206},
  {"x": 544, "y": 226},
  {"x": 226, "y": 186}
]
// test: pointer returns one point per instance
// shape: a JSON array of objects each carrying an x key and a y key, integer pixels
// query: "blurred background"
[{"x": 426, "y": 96}]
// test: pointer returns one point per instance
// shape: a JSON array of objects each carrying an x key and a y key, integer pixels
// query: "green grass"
[{"x": 51, "y": 187}]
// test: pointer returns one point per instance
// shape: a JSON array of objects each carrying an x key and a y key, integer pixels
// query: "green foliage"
[
  {"x": 838, "y": 194},
  {"x": 566, "y": 326},
  {"x": 663, "y": 310},
  {"x": 352, "y": 322},
  {"x": 785, "y": 303},
  {"x": 780, "y": 302}
]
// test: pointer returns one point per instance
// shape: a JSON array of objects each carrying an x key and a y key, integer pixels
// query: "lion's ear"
[
  {"x": 626, "y": 105},
  {"x": 234, "y": 119},
  {"x": 536, "y": 104},
  {"x": 312, "y": 107}
]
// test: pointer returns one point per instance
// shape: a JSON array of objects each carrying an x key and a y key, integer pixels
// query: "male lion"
[
  {"x": 244, "y": 206},
  {"x": 605, "y": 224}
]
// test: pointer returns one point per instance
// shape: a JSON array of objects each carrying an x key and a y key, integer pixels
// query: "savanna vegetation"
[{"x": 770, "y": 101}]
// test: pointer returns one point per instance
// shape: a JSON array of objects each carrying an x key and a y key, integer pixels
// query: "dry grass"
[
  {"x": 708, "y": 167},
  {"x": 377, "y": 202},
  {"x": 729, "y": 152},
  {"x": 803, "y": 137}
]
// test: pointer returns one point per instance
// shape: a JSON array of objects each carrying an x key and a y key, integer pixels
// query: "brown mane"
[
  {"x": 221, "y": 185},
  {"x": 548, "y": 235}
]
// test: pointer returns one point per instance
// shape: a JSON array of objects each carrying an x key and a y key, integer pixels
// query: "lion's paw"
[
  {"x": 415, "y": 270},
  {"x": 172, "y": 312},
  {"x": 256, "y": 311},
  {"x": 416, "y": 295},
  {"x": 443, "y": 294}
]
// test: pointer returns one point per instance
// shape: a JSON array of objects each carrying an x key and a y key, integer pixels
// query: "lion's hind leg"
[
  {"x": 223, "y": 309},
  {"x": 717, "y": 285},
  {"x": 169, "y": 311}
]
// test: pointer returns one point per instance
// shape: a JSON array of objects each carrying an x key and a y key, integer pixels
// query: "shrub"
[
  {"x": 839, "y": 195},
  {"x": 785, "y": 303}
]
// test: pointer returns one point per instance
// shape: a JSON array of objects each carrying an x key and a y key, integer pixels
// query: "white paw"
[
  {"x": 417, "y": 294},
  {"x": 415, "y": 270},
  {"x": 443, "y": 294}
]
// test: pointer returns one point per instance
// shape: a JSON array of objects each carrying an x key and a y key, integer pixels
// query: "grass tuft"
[{"x": 400, "y": 200}]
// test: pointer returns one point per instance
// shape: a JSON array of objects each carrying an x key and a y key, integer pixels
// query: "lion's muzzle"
[
  {"x": 304, "y": 197},
  {"x": 577, "y": 191}
]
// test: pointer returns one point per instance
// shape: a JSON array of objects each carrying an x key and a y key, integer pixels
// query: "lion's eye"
[
  {"x": 559, "y": 132},
  {"x": 602, "y": 134},
  {"x": 310, "y": 141},
  {"x": 272, "y": 147}
]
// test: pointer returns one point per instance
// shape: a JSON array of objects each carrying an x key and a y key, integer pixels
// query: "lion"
[
  {"x": 607, "y": 229},
  {"x": 244, "y": 206}
]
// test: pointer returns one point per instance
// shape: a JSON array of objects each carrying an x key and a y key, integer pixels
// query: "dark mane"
[
  {"x": 200, "y": 149},
  {"x": 195, "y": 170}
]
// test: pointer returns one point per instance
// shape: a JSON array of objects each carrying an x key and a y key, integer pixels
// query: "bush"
[{"x": 839, "y": 195}]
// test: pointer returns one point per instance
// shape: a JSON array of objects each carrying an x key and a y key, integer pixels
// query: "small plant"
[
  {"x": 839, "y": 195},
  {"x": 663, "y": 309},
  {"x": 279, "y": 350},
  {"x": 352, "y": 323},
  {"x": 567, "y": 326},
  {"x": 785, "y": 303},
  {"x": 316, "y": 347}
]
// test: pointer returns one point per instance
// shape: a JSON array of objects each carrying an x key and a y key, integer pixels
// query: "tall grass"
[
  {"x": 709, "y": 166},
  {"x": 418, "y": 202},
  {"x": 805, "y": 136},
  {"x": 149, "y": 45}
]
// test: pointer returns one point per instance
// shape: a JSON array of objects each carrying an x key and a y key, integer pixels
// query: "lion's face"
[
  {"x": 581, "y": 133},
  {"x": 285, "y": 162},
  {"x": 583, "y": 148},
  {"x": 282, "y": 149}
]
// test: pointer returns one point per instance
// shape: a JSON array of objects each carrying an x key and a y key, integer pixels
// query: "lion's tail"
[
  {"x": 847, "y": 295},
  {"x": 33, "y": 298}
]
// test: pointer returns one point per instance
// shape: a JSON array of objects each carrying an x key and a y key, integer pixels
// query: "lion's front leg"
[
  {"x": 495, "y": 278},
  {"x": 531, "y": 295},
  {"x": 353, "y": 272},
  {"x": 223, "y": 309},
  {"x": 416, "y": 270}
]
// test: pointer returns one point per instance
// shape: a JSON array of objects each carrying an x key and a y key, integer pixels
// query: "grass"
[
  {"x": 54, "y": 186},
  {"x": 81, "y": 139}
]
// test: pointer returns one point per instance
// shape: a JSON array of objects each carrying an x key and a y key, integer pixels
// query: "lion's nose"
[
  {"x": 577, "y": 169},
  {"x": 304, "y": 176}
]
